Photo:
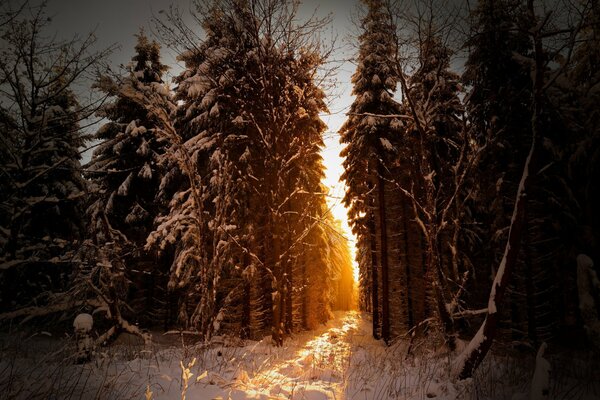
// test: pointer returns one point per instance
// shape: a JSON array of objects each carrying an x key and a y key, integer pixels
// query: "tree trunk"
[
  {"x": 278, "y": 296},
  {"x": 304, "y": 294},
  {"x": 409, "y": 290},
  {"x": 438, "y": 293},
  {"x": 247, "y": 298},
  {"x": 530, "y": 289},
  {"x": 385, "y": 301},
  {"x": 374, "y": 275},
  {"x": 289, "y": 309}
]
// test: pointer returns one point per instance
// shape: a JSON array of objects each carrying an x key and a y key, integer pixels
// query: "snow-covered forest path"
[
  {"x": 318, "y": 369},
  {"x": 337, "y": 361},
  {"x": 340, "y": 360}
]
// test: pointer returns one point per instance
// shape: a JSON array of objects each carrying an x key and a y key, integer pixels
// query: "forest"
[{"x": 470, "y": 151}]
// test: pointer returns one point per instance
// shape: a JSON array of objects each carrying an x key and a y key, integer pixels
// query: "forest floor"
[{"x": 338, "y": 361}]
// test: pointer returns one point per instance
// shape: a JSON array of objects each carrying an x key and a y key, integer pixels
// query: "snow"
[
  {"x": 584, "y": 261},
  {"x": 83, "y": 323},
  {"x": 197, "y": 86},
  {"x": 217, "y": 321},
  {"x": 540, "y": 384},
  {"x": 124, "y": 187},
  {"x": 301, "y": 112},
  {"x": 145, "y": 172},
  {"x": 132, "y": 125},
  {"x": 386, "y": 144},
  {"x": 340, "y": 360},
  {"x": 245, "y": 155},
  {"x": 214, "y": 111},
  {"x": 474, "y": 343},
  {"x": 138, "y": 130},
  {"x": 385, "y": 97},
  {"x": 208, "y": 99},
  {"x": 160, "y": 88}
]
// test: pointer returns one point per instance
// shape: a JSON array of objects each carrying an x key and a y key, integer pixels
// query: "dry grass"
[{"x": 355, "y": 366}]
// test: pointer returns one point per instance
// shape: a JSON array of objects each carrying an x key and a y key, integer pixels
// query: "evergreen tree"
[
  {"x": 498, "y": 105},
  {"x": 368, "y": 135},
  {"x": 125, "y": 174},
  {"x": 249, "y": 115},
  {"x": 583, "y": 119},
  {"x": 435, "y": 145},
  {"x": 42, "y": 185},
  {"x": 211, "y": 119},
  {"x": 575, "y": 99},
  {"x": 534, "y": 250},
  {"x": 500, "y": 109}
]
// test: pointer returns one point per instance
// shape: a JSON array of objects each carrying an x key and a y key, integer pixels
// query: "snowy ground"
[{"x": 338, "y": 361}]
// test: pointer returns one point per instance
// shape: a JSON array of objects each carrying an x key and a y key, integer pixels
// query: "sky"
[{"x": 117, "y": 21}]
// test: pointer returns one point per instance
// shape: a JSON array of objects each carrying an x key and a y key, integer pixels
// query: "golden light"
[
  {"x": 334, "y": 169},
  {"x": 320, "y": 366}
]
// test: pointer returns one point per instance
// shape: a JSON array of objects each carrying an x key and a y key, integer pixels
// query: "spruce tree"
[
  {"x": 249, "y": 115},
  {"x": 46, "y": 201},
  {"x": 369, "y": 136},
  {"x": 210, "y": 255},
  {"x": 583, "y": 117},
  {"x": 498, "y": 106},
  {"x": 435, "y": 148},
  {"x": 125, "y": 174},
  {"x": 42, "y": 189}
]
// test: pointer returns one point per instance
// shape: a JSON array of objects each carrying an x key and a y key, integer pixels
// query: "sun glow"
[
  {"x": 320, "y": 366},
  {"x": 334, "y": 169}
]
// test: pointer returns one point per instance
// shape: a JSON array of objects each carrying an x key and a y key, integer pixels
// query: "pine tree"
[
  {"x": 125, "y": 174},
  {"x": 369, "y": 135},
  {"x": 533, "y": 249},
  {"x": 213, "y": 91},
  {"x": 42, "y": 209},
  {"x": 583, "y": 119},
  {"x": 435, "y": 144},
  {"x": 498, "y": 103},
  {"x": 496, "y": 76},
  {"x": 575, "y": 100},
  {"x": 249, "y": 115}
]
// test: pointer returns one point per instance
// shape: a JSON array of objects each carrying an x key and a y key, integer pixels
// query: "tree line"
[
  {"x": 202, "y": 207},
  {"x": 472, "y": 194},
  {"x": 470, "y": 185}
]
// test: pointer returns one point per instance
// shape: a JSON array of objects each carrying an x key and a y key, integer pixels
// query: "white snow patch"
[
  {"x": 540, "y": 384},
  {"x": 124, "y": 187},
  {"x": 386, "y": 144},
  {"x": 83, "y": 323},
  {"x": 146, "y": 172}
]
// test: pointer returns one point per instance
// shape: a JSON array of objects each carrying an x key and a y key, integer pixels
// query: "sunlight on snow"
[{"x": 318, "y": 370}]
